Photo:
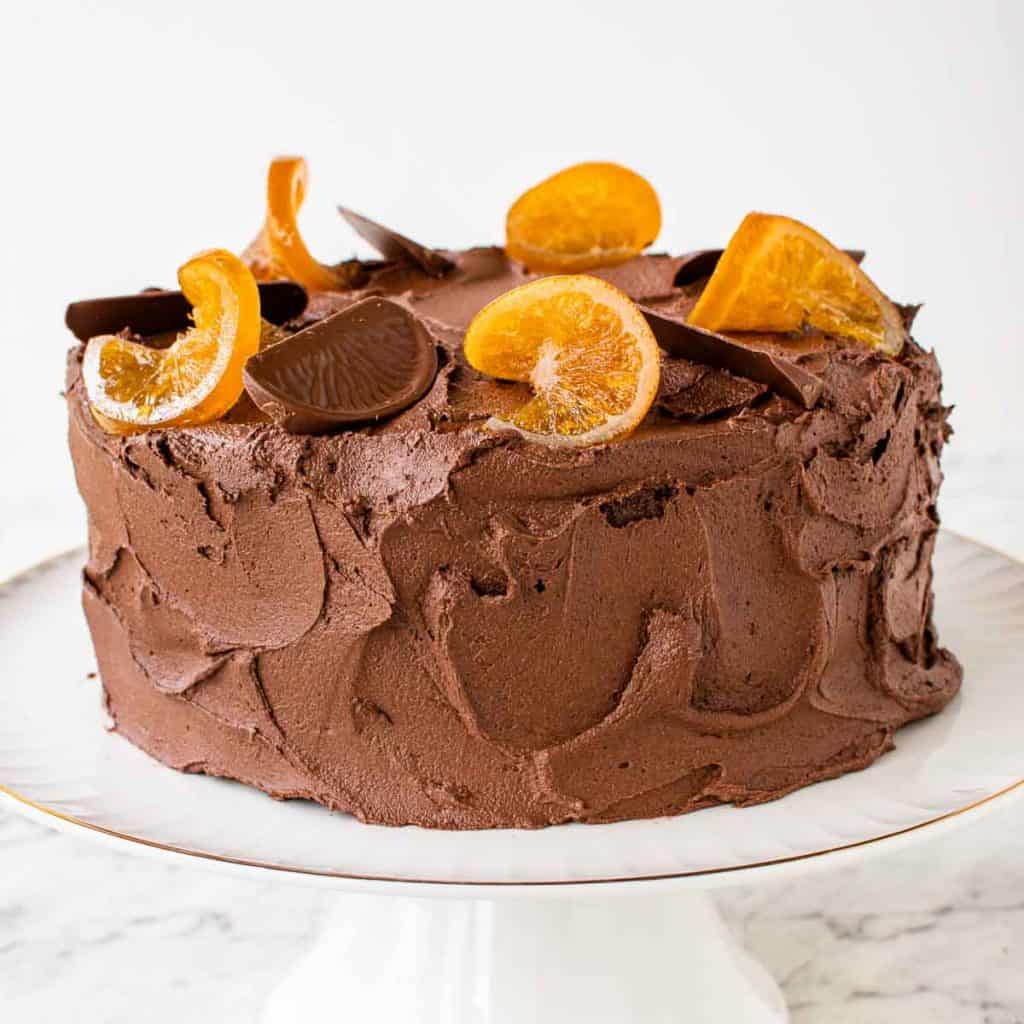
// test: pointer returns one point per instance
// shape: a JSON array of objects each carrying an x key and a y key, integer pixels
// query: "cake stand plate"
[{"x": 599, "y": 922}]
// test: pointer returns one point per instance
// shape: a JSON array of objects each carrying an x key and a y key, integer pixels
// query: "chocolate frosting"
[{"x": 420, "y": 621}]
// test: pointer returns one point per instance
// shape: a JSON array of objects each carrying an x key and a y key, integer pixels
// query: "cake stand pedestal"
[
  {"x": 650, "y": 958},
  {"x": 599, "y": 923}
]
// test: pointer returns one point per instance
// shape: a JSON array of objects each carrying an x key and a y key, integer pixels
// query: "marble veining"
[{"x": 933, "y": 933}]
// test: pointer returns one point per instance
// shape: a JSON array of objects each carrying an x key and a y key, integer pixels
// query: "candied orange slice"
[
  {"x": 589, "y": 215},
  {"x": 279, "y": 250},
  {"x": 777, "y": 274},
  {"x": 133, "y": 387},
  {"x": 584, "y": 347}
]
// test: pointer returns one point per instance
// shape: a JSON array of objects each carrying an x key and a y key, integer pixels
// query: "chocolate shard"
[
  {"x": 908, "y": 313},
  {"x": 155, "y": 312},
  {"x": 702, "y": 262},
  {"x": 366, "y": 363},
  {"x": 697, "y": 265},
  {"x": 393, "y": 246},
  {"x": 784, "y": 376}
]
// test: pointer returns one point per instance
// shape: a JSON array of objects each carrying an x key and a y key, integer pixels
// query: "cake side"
[{"x": 427, "y": 622}]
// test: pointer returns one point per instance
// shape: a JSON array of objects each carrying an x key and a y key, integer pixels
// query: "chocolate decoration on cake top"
[
  {"x": 393, "y": 246},
  {"x": 156, "y": 311},
  {"x": 364, "y": 364},
  {"x": 777, "y": 370},
  {"x": 909, "y": 311},
  {"x": 696, "y": 266}
]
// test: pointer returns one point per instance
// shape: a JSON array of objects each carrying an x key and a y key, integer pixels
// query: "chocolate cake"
[{"x": 423, "y": 621}]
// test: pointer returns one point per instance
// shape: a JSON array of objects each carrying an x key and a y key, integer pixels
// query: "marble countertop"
[{"x": 931, "y": 933}]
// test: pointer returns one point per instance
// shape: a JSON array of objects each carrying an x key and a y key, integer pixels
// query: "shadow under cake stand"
[{"x": 600, "y": 923}]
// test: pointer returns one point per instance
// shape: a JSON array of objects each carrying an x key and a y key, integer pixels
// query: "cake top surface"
[
  {"x": 779, "y": 374},
  {"x": 442, "y": 341}
]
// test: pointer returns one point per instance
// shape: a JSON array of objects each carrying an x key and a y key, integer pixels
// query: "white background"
[{"x": 135, "y": 134}]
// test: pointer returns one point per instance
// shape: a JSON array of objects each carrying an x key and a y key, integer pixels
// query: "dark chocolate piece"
[
  {"x": 393, "y": 246},
  {"x": 908, "y": 313},
  {"x": 698, "y": 265},
  {"x": 155, "y": 312},
  {"x": 783, "y": 376},
  {"x": 366, "y": 363},
  {"x": 702, "y": 263}
]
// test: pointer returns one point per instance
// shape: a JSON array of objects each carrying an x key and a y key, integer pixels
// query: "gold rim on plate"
[{"x": 391, "y": 880}]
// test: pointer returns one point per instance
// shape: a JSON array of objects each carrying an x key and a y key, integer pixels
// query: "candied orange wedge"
[
  {"x": 133, "y": 387},
  {"x": 777, "y": 274},
  {"x": 582, "y": 345},
  {"x": 589, "y": 215},
  {"x": 279, "y": 251}
]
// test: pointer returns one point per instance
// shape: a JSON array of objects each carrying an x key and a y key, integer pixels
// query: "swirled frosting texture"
[{"x": 424, "y": 622}]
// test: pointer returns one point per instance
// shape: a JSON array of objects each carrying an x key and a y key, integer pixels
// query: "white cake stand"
[{"x": 595, "y": 923}]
